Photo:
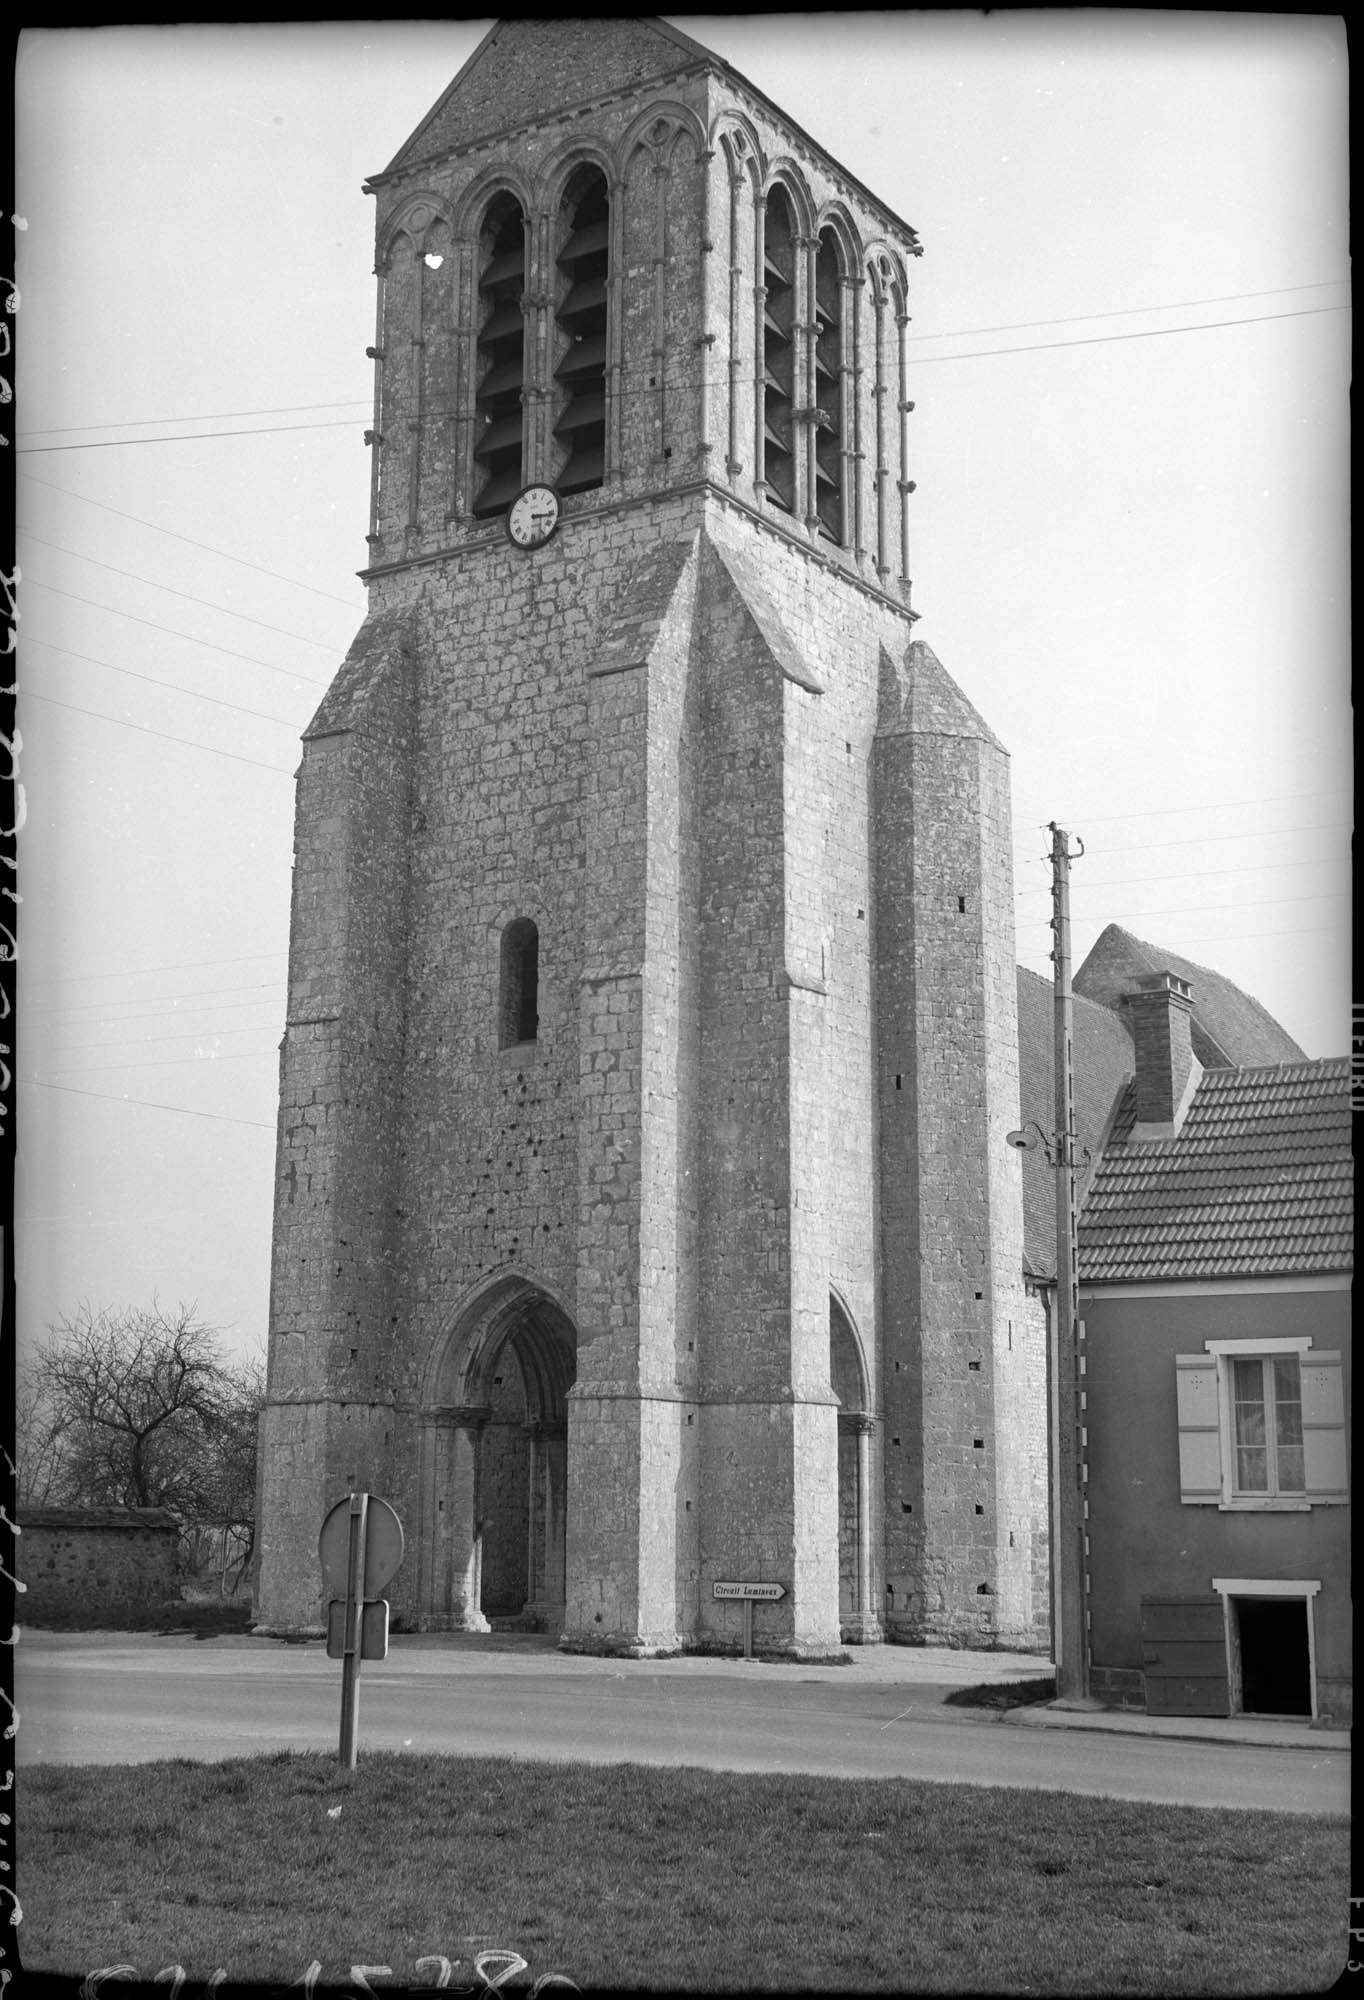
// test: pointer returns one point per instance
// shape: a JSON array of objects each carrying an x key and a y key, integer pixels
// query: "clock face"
[{"x": 532, "y": 517}]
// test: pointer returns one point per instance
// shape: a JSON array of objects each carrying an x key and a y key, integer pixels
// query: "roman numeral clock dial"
[{"x": 532, "y": 517}]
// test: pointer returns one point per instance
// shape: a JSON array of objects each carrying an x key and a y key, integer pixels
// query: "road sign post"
[
  {"x": 350, "y": 1659},
  {"x": 360, "y": 1549},
  {"x": 748, "y": 1595}
]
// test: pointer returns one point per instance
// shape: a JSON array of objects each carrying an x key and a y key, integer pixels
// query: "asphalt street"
[{"x": 114, "y": 1698}]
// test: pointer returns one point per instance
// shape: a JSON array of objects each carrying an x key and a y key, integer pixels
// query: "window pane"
[
  {"x": 1288, "y": 1424},
  {"x": 1248, "y": 1416}
]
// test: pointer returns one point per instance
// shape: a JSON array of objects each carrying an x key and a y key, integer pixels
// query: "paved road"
[{"x": 115, "y": 1699}]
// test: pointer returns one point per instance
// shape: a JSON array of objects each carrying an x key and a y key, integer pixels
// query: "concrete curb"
[{"x": 1195, "y": 1729}]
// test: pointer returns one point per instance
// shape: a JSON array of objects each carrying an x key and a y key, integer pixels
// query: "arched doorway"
[
  {"x": 856, "y": 1617},
  {"x": 494, "y": 1451}
]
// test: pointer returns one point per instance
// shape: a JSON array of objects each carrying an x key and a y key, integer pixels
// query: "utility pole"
[{"x": 1072, "y": 1676}]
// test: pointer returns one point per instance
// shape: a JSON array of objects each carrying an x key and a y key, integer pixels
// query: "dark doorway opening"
[{"x": 1276, "y": 1668}]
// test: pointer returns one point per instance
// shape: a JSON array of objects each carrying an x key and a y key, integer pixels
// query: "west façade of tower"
[{"x": 644, "y": 1221}]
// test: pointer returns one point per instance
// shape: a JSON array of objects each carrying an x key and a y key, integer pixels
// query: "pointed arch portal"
[
  {"x": 847, "y": 1372},
  {"x": 494, "y": 1463}
]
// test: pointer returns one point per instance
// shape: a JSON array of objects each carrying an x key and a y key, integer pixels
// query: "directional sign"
[
  {"x": 373, "y": 1629},
  {"x": 383, "y": 1547},
  {"x": 757, "y": 1593}
]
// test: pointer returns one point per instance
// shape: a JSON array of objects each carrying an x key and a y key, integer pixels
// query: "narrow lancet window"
[
  {"x": 779, "y": 351},
  {"x": 581, "y": 314},
  {"x": 499, "y": 413},
  {"x": 519, "y": 1018},
  {"x": 829, "y": 403}
]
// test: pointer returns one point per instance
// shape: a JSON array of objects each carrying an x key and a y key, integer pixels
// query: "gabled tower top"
[{"x": 612, "y": 268}]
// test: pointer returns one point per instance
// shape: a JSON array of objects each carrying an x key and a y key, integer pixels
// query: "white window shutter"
[
  {"x": 1200, "y": 1450},
  {"x": 1323, "y": 1428}
]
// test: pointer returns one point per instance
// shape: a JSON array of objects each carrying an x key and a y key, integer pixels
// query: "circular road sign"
[{"x": 383, "y": 1547}]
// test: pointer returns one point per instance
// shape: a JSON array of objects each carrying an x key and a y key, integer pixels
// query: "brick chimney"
[{"x": 1159, "y": 1015}]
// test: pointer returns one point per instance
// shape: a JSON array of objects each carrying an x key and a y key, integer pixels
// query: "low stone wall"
[{"x": 86, "y": 1560}]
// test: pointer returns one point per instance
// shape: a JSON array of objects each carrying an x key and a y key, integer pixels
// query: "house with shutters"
[{"x": 1215, "y": 1257}]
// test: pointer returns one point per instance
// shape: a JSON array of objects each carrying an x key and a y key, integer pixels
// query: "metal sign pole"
[
  {"x": 748, "y": 1628},
  {"x": 355, "y": 1604}
]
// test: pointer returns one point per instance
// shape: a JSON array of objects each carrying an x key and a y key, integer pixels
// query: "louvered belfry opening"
[
  {"x": 581, "y": 373},
  {"x": 779, "y": 351},
  {"x": 829, "y": 388},
  {"x": 498, "y": 408}
]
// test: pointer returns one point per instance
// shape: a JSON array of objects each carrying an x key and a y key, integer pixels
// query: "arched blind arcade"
[
  {"x": 779, "y": 350},
  {"x": 499, "y": 412},
  {"x": 581, "y": 314}
]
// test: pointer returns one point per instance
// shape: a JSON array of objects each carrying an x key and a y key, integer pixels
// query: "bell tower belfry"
[{"x": 641, "y": 1179}]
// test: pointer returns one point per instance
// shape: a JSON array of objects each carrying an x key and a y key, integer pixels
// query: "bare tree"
[
  {"x": 139, "y": 1408},
  {"x": 40, "y": 1439}
]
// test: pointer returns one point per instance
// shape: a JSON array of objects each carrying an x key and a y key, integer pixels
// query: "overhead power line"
[
  {"x": 1211, "y": 839},
  {"x": 951, "y": 333},
  {"x": 170, "y": 1013},
  {"x": 221, "y": 416},
  {"x": 1235, "y": 937},
  {"x": 188, "y": 437},
  {"x": 1114, "y": 312},
  {"x": 1144, "y": 333},
  {"x": 32, "y": 479},
  {"x": 168, "y": 1062},
  {"x": 181, "y": 1110},
  {"x": 1196, "y": 874},
  {"x": 439, "y": 415},
  {"x": 100, "y": 1008},
  {"x": 189, "y": 596},
  {"x": 205, "y": 1007},
  {"x": 139, "y": 971},
  {"x": 1167, "y": 812},
  {"x": 174, "y": 632},
  {"x": 144, "y": 729},
  {"x": 172, "y": 687}
]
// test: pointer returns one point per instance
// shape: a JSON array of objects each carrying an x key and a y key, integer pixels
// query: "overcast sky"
[{"x": 1130, "y": 366}]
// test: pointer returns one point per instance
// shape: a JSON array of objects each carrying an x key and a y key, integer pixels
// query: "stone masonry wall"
[{"x": 73, "y": 1560}]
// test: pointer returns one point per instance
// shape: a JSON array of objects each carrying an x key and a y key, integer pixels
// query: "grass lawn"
[{"x": 629, "y": 1876}]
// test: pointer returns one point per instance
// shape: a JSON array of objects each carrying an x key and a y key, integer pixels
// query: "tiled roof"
[
  {"x": 1257, "y": 1183},
  {"x": 1229, "y": 1027}
]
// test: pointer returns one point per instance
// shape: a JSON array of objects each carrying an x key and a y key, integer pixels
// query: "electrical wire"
[
  {"x": 1103, "y": 339},
  {"x": 188, "y": 437},
  {"x": 675, "y": 382},
  {"x": 189, "y": 596},
  {"x": 94, "y": 605},
  {"x": 182, "y": 1110},
  {"x": 1197, "y": 874},
  {"x": 1211, "y": 839},
  {"x": 220, "y": 1007},
  {"x": 953, "y": 333},
  {"x": 101, "y": 1007},
  {"x": 145, "y": 729},
  {"x": 139, "y": 971},
  {"x": 1114, "y": 312},
  {"x": 297, "y": 409},
  {"x": 208, "y": 548},
  {"x": 1167, "y": 812},
  {"x": 170, "y": 1062},
  {"x": 172, "y": 687}
]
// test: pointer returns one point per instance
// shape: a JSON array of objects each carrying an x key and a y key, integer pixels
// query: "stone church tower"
[{"x": 644, "y": 1218}]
